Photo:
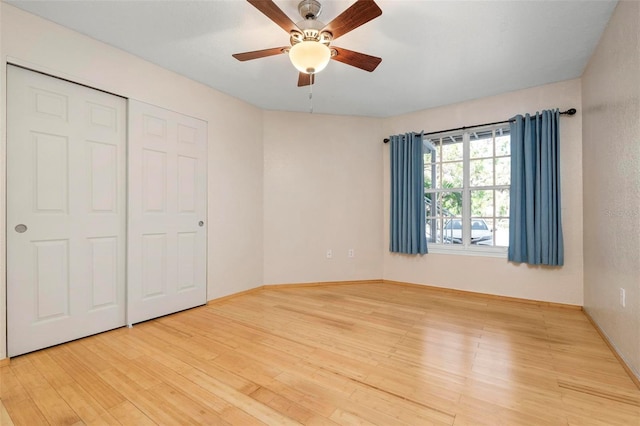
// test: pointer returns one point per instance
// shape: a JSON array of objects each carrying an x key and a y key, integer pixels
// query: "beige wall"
[
  {"x": 235, "y": 138},
  {"x": 611, "y": 151},
  {"x": 322, "y": 179},
  {"x": 496, "y": 275}
]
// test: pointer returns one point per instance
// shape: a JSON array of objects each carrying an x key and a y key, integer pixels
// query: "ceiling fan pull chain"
[{"x": 311, "y": 94}]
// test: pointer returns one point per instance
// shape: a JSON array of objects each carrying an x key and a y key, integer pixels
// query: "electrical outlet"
[
  {"x": 329, "y": 253},
  {"x": 623, "y": 297},
  {"x": 351, "y": 253}
]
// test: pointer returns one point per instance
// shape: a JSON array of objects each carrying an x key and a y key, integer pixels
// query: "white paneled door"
[
  {"x": 167, "y": 233},
  {"x": 66, "y": 215}
]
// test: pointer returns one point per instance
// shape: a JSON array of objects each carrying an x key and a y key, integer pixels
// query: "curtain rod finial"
[{"x": 571, "y": 111}]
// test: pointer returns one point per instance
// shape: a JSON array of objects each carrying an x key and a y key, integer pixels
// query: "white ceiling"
[{"x": 433, "y": 52}]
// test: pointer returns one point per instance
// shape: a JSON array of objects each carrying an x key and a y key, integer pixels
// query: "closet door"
[
  {"x": 66, "y": 195},
  {"x": 167, "y": 233}
]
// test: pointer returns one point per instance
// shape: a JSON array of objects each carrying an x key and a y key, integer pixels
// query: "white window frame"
[{"x": 466, "y": 248}]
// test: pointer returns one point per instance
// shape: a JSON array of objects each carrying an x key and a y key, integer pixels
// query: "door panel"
[
  {"x": 154, "y": 189},
  {"x": 167, "y": 246},
  {"x": 154, "y": 266},
  {"x": 66, "y": 148},
  {"x": 103, "y": 160},
  {"x": 104, "y": 272},
  {"x": 50, "y": 172},
  {"x": 51, "y": 279}
]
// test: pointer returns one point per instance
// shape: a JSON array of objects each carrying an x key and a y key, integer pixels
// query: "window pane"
[
  {"x": 430, "y": 156},
  {"x": 450, "y": 203},
  {"x": 482, "y": 203},
  {"x": 481, "y": 144},
  {"x": 452, "y": 175},
  {"x": 452, "y": 231},
  {"x": 503, "y": 171},
  {"x": 452, "y": 151},
  {"x": 429, "y": 176},
  {"x": 502, "y": 233},
  {"x": 481, "y": 172},
  {"x": 503, "y": 144},
  {"x": 428, "y": 204},
  {"x": 502, "y": 203},
  {"x": 481, "y": 231},
  {"x": 447, "y": 206}
]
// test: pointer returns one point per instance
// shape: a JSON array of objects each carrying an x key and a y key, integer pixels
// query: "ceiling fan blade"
[
  {"x": 356, "y": 59},
  {"x": 361, "y": 12},
  {"x": 305, "y": 79},
  {"x": 273, "y": 12},
  {"x": 256, "y": 54}
]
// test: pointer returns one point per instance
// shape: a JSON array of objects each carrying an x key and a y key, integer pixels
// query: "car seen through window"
[{"x": 481, "y": 234}]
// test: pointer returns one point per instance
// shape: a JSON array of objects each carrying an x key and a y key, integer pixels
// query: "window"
[{"x": 466, "y": 190}]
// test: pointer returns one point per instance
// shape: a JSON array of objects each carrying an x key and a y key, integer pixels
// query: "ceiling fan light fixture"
[{"x": 310, "y": 56}]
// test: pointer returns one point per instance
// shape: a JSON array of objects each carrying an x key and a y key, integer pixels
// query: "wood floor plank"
[
  {"x": 90, "y": 359},
  {"x": 105, "y": 419},
  {"x": 236, "y": 416},
  {"x": 183, "y": 403},
  {"x": 283, "y": 405},
  {"x": 50, "y": 370},
  {"x": 91, "y": 383},
  {"x": 151, "y": 405},
  {"x": 490, "y": 413},
  {"x": 124, "y": 364},
  {"x": 85, "y": 406},
  {"x": 5, "y": 419},
  {"x": 358, "y": 354},
  {"x": 227, "y": 377},
  {"x": 315, "y": 396},
  {"x": 128, "y": 414},
  {"x": 347, "y": 417},
  {"x": 436, "y": 397},
  {"x": 238, "y": 399},
  {"x": 29, "y": 376},
  {"x": 177, "y": 380},
  {"x": 10, "y": 386},
  {"x": 598, "y": 407},
  {"x": 24, "y": 412},
  {"x": 405, "y": 411},
  {"x": 53, "y": 407}
]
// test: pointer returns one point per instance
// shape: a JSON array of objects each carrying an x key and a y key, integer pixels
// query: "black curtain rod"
[{"x": 570, "y": 111}]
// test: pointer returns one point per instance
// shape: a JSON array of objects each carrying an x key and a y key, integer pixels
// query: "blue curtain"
[
  {"x": 535, "y": 228},
  {"x": 407, "y": 195}
]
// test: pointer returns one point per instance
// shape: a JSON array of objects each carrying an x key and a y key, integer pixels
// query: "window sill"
[{"x": 499, "y": 252}]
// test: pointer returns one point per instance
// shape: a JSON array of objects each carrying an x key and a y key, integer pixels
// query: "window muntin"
[{"x": 467, "y": 177}]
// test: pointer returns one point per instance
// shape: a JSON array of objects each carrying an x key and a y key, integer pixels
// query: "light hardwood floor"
[{"x": 351, "y": 354}]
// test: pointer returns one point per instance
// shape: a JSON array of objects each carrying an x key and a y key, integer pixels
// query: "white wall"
[
  {"x": 322, "y": 180},
  {"x": 611, "y": 151},
  {"x": 496, "y": 275},
  {"x": 235, "y": 138}
]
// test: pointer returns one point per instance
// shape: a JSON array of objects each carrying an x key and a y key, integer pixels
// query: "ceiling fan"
[{"x": 310, "y": 39}]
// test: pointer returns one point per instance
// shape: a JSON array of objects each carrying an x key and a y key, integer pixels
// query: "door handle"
[
  {"x": 21, "y": 228},
  {"x": 201, "y": 223}
]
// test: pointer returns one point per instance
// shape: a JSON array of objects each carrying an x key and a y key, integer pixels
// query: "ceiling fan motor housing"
[
  {"x": 310, "y": 27},
  {"x": 309, "y": 9}
]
